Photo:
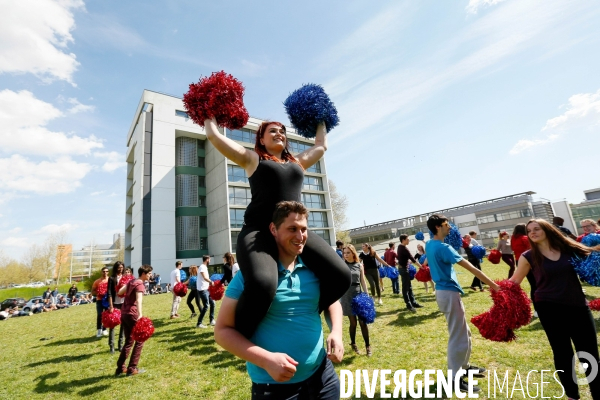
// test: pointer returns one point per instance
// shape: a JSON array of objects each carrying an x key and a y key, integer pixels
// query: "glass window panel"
[{"x": 316, "y": 168}]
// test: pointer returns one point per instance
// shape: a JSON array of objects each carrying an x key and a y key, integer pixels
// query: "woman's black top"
[
  {"x": 227, "y": 274},
  {"x": 271, "y": 183},
  {"x": 368, "y": 261}
]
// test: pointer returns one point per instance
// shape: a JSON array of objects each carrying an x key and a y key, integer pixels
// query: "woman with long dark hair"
[
  {"x": 115, "y": 301},
  {"x": 507, "y": 252},
  {"x": 560, "y": 301},
  {"x": 192, "y": 284},
  {"x": 358, "y": 282},
  {"x": 228, "y": 262},
  {"x": 368, "y": 258},
  {"x": 275, "y": 175}
]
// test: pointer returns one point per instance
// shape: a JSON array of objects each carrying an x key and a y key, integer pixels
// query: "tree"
[
  {"x": 339, "y": 204},
  {"x": 34, "y": 264}
]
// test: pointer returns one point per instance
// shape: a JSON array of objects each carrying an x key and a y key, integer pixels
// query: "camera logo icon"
[{"x": 584, "y": 363}]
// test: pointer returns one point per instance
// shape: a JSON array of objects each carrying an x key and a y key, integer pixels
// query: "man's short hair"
[
  {"x": 206, "y": 257},
  {"x": 144, "y": 269},
  {"x": 178, "y": 263},
  {"x": 558, "y": 221},
  {"x": 403, "y": 237},
  {"x": 434, "y": 221},
  {"x": 338, "y": 243},
  {"x": 284, "y": 208},
  {"x": 472, "y": 233}
]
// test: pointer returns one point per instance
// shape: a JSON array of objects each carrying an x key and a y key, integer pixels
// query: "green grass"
[
  {"x": 27, "y": 292},
  {"x": 56, "y": 355}
]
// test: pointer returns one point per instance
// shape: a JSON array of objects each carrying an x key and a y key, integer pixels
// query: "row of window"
[
  {"x": 238, "y": 174},
  {"x": 188, "y": 233},
  {"x": 241, "y": 196},
  {"x": 316, "y": 219},
  {"x": 186, "y": 191},
  {"x": 486, "y": 219},
  {"x": 591, "y": 211},
  {"x": 366, "y": 239},
  {"x": 493, "y": 234},
  {"x": 467, "y": 223}
]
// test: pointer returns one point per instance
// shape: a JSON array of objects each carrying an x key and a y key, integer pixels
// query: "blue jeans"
[
  {"x": 99, "y": 309},
  {"x": 324, "y": 384},
  {"x": 395, "y": 286},
  {"x": 206, "y": 300}
]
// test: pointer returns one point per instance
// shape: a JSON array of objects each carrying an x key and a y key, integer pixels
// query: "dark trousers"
[
  {"x": 563, "y": 324},
  {"x": 476, "y": 282},
  {"x": 407, "y": 292},
  {"x": 257, "y": 254},
  {"x": 99, "y": 309},
  {"x": 324, "y": 384},
  {"x": 206, "y": 300},
  {"x": 128, "y": 322},
  {"x": 193, "y": 295},
  {"x": 509, "y": 259},
  {"x": 372, "y": 276},
  {"x": 111, "y": 332},
  {"x": 395, "y": 286}
]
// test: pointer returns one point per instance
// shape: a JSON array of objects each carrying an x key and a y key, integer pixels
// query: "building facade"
[
  {"x": 588, "y": 209},
  {"x": 84, "y": 260},
  {"x": 184, "y": 199}
]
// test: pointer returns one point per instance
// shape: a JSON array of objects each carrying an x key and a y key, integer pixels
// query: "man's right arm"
[
  {"x": 279, "y": 366},
  {"x": 469, "y": 267}
]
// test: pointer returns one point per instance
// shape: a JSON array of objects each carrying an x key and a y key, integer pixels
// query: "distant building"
[
  {"x": 95, "y": 254},
  {"x": 587, "y": 209},
  {"x": 488, "y": 218}
]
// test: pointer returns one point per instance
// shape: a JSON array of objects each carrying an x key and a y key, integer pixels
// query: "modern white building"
[
  {"x": 184, "y": 199},
  {"x": 82, "y": 261}
]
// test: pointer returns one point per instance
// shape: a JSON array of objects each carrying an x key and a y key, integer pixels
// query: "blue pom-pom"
[
  {"x": 307, "y": 107},
  {"x": 431, "y": 235},
  {"x": 363, "y": 307},
  {"x": 478, "y": 252},
  {"x": 591, "y": 240},
  {"x": 454, "y": 238},
  {"x": 412, "y": 271},
  {"x": 391, "y": 272},
  {"x": 216, "y": 277},
  {"x": 382, "y": 273},
  {"x": 183, "y": 275},
  {"x": 588, "y": 268},
  {"x": 422, "y": 259},
  {"x": 420, "y": 236},
  {"x": 105, "y": 302}
]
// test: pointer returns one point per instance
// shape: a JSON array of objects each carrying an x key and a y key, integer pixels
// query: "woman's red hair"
[{"x": 261, "y": 150}]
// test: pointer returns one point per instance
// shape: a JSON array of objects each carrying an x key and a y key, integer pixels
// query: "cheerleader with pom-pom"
[
  {"x": 369, "y": 258},
  {"x": 559, "y": 300},
  {"x": 115, "y": 301},
  {"x": 418, "y": 255},
  {"x": 404, "y": 257},
  {"x": 131, "y": 312},
  {"x": 99, "y": 289},
  {"x": 358, "y": 283},
  {"x": 468, "y": 244},
  {"x": 507, "y": 252}
]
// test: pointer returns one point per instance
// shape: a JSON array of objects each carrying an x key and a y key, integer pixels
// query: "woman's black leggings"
[
  {"x": 563, "y": 324},
  {"x": 476, "y": 282},
  {"x": 193, "y": 295},
  {"x": 509, "y": 259},
  {"x": 257, "y": 256}
]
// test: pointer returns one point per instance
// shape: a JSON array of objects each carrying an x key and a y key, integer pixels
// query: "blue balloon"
[
  {"x": 363, "y": 307},
  {"x": 478, "y": 252},
  {"x": 412, "y": 271},
  {"x": 591, "y": 240},
  {"x": 588, "y": 268},
  {"x": 420, "y": 236},
  {"x": 307, "y": 107}
]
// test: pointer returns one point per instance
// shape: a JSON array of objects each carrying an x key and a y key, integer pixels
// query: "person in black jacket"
[
  {"x": 228, "y": 262},
  {"x": 115, "y": 302}
]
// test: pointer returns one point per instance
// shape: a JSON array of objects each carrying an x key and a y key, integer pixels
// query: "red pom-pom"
[
  {"x": 180, "y": 289},
  {"x": 220, "y": 96},
  {"x": 216, "y": 290},
  {"x": 595, "y": 305},
  {"x": 125, "y": 279},
  {"x": 111, "y": 319},
  {"x": 511, "y": 310},
  {"x": 423, "y": 274},
  {"x": 495, "y": 256},
  {"x": 102, "y": 288},
  {"x": 143, "y": 329},
  {"x": 465, "y": 244}
]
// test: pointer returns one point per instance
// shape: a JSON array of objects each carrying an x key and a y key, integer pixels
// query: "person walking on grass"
[
  {"x": 203, "y": 284},
  {"x": 507, "y": 252},
  {"x": 99, "y": 307},
  {"x": 390, "y": 256},
  {"x": 441, "y": 258},
  {"x": 192, "y": 284},
  {"x": 468, "y": 247},
  {"x": 420, "y": 253},
  {"x": 131, "y": 312},
  {"x": 115, "y": 301},
  {"x": 403, "y": 257},
  {"x": 369, "y": 259},
  {"x": 175, "y": 279}
]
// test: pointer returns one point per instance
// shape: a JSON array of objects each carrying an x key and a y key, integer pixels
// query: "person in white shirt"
[
  {"x": 202, "y": 285},
  {"x": 234, "y": 269},
  {"x": 474, "y": 242},
  {"x": 175, "y": 279}
]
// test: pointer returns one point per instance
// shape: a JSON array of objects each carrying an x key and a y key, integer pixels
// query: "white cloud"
[
  {"x": 525, "y": 144},
  {"x": 96, "y": 193},
  {"x": 583, "y": 107},
  {"x": 114, "y": 160},
  {"x": 53, "y": 228},
  {"x": 22, "y": 127},
  {"x": 15, "y": 230},
  {"x": 78, "y": 107},
  {"x": 34, "y": 35},
  {"x": 62, "y": 175},
  {"x": 15, "y": 242},
  {"x": 474, "y": 5}
]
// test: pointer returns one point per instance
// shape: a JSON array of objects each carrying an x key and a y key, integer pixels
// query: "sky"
[{"x": 441, "y": 103}]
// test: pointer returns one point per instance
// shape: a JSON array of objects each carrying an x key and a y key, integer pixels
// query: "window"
[
  {"x": 234, "y": 237},
  {"x": 201, "y": 201},
  {"x": 182, "y": 114},
  {"x": 188, "y": 235},
  {"x": 241, "y": 135},
  {"x": 236, "y": 217},
  {"x": 202, "y": 222},
  {"x": 317, "y": 219},
  {"x": 486, "y": 219},
  {"x": 311, "y": 200},
  {"x": 201, "y": 181},
  {"x": 186, "y": 150},
  {"x": 186, "y": 189},
  {"x": 201, "y": 162},
  {"x": 203, "y": 243},
  {"x": 468, "y": 223},
  {"x": 239, "y": 196},
  {"x": 312, "y": 183},
  {"x": 236, "y": 174},
  {"x": 324, "y": 233},
  {"x": 298, "y": 147},
  {"x": 315, "y": 168}
]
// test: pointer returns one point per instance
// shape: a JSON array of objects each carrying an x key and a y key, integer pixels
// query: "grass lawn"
[{"x": 56, "y": 355}]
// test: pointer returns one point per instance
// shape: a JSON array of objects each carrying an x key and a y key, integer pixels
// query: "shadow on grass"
[
  {"x": 89, "y": 339},
  {"x": 534, "y": 325},
  {"x": 42, "y": 385},
  {"x": 408, "y": 318},
  {"x": 224, "y": 359},
  {"x": 62, "y": 359}
]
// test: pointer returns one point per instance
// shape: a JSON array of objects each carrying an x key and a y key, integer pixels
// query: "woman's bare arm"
[
  {"x": 237, "y": 153},
  {"x": 313, "y": 154}
]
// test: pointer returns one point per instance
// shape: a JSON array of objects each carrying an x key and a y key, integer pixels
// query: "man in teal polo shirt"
[
  {"x": 441, "y": 258},
  {"x": 285, "y": 356}
]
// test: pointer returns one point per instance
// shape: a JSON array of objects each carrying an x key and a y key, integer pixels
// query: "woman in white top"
[{"x": 507, "y": 253}]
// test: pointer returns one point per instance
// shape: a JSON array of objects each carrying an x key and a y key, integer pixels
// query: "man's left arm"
[{"x": 335, "y": 345}]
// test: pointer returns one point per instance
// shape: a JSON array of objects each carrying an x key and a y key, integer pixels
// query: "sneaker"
[
  {"x": 464, "y": 386},
  {"x": 135, "y": 371},
  {"x": 105, "y": 332},
  {"x": 417, "y": 305},
  {"x": 193, "y": 315},
  {"x": 473, "y": 288},
  {"x": 355, "y": 348},
  {"x": 412, "y": 309},
  {"x": 120, "y": 371},
  {"x": 535, "y": 314},
  {"x": 99, "y": 333},
  {"x": 380, "y": 302},
  {"x": 212, "y": 322},
  {"x": 479, "y": 371},
  {"x": 174, "y": 316},
  {"x": 369, "y": 351},
  {"x": 201, "y": 326}
]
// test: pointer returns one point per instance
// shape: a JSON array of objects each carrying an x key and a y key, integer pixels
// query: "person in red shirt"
[
  {"x": 390, "y": 257},
  {"x": 99, "y": 288},
  {"x": 131, "y": 312}
]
